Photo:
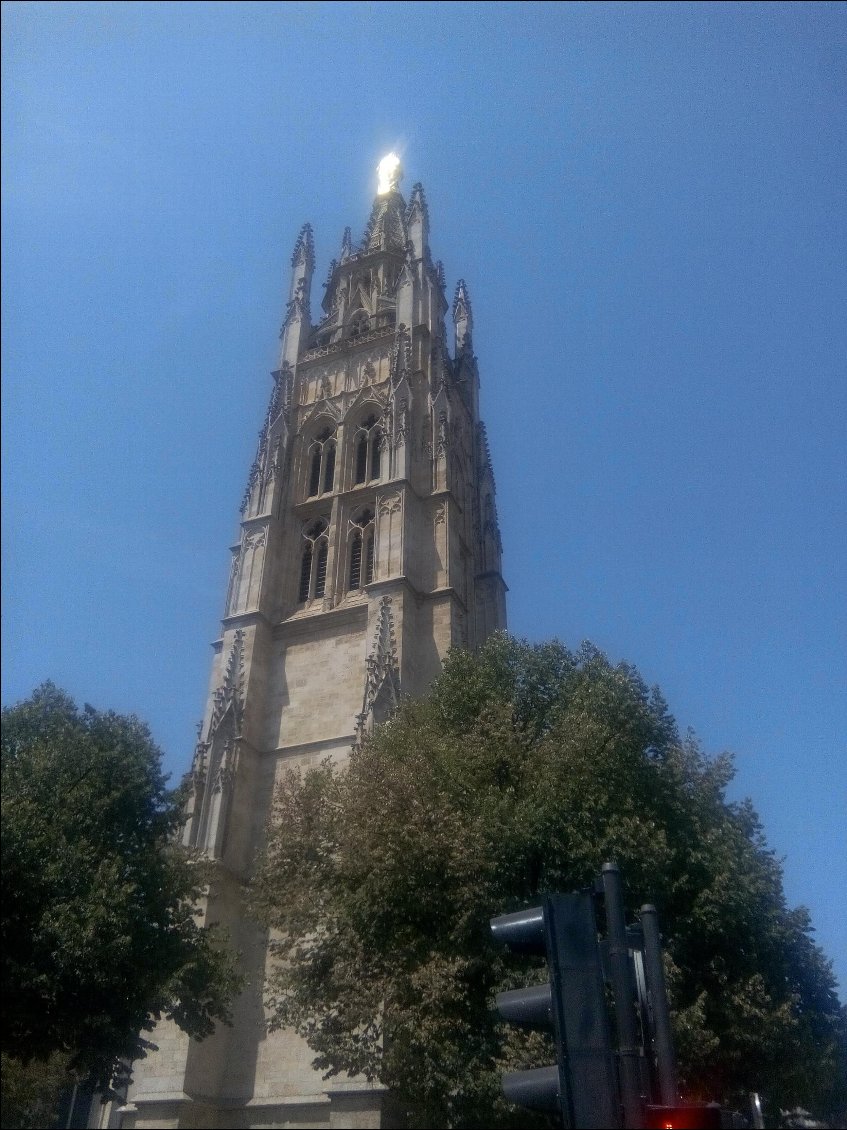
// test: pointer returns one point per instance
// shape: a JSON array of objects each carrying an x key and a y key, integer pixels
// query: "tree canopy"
[
  {"x": 100, "y": 936},
  {"x": 524, "y": 770}
]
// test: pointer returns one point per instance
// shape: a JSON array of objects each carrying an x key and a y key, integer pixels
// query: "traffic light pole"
[
  {"x": 590, "y": 1086},
  {"x": 623, "y": 989},
  {"x": 655, "y": 970}
]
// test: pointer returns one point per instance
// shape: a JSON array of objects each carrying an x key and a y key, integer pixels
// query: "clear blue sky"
[{"x": 648, "y": 204}]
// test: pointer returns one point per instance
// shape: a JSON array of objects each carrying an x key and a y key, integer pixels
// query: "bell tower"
[{"x": 368, "y": 546}]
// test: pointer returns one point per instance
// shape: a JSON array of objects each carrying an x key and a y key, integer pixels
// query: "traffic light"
[
  {"x": 581, "y": 1084},
  {"x": 684, "y": 1116}
]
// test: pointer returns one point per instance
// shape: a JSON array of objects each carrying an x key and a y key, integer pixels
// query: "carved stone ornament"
[
  {"x": 402, "y": 423},
  {"x": 199, "y": 763},
  {"x": 226, "y": 767},
  {"x": 389, "y": 504},
  {"x": 443, "y": 433},
  {"x": 382, "y": 674},
  {"x": 230, "y": 694},
  {"x": 256, "y": 539}
]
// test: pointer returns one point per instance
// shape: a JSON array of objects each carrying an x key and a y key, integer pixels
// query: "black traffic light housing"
[{"x": 581, "y": 1084}]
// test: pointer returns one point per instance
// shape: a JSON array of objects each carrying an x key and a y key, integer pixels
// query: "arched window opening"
[
  {"x": 313, "y": 562},
  {"x": 369, "y": 444},
  {"x": 322, "y": 464}
]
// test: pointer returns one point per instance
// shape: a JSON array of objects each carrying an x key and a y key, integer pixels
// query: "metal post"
[
  {"x": 757, "y": 1120},
  {"x": 624, "y": 993},
  {"x": 655, "y": 971}
]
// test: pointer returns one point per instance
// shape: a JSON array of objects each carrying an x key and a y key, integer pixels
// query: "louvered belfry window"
[
  {"x": 362, "y": 457},
  {"x": 320, "y": 568},
  {"x": 315, "y": 473},
  {"x": 305, "y": 572},
  {"x": 369, "y": 556},
  {"x": 355, "y": 560},
  {"x": 322, "y": 465},
  {"x": 329, "y": 465},
  {"x": 314, "y": 560},
  {"x": 361, "y": 546},
  {"x": 376, "y": 452},
  {"x": 369, "y": 443}
]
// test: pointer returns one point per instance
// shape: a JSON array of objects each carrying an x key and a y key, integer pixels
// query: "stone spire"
[
  {"x": 298, "y": 320},
  {"x": 417, "y": 221},
  {"x": 463, "y": 318},
  {"x": 386, "y": 230}
]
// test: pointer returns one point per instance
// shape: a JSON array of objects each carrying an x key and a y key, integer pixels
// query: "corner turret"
[
  {"x": 463, "y": 319},
  {"x": 297, "y": 323},
  {"x": 417, "y": 222}
]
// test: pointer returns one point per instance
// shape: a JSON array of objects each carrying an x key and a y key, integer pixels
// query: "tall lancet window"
[
  {"x": 313, "y": 561},
  {"x": 361, "y": 570},
  {"x": 322, "y": 463},
  {"x": 368, "y": 449}
]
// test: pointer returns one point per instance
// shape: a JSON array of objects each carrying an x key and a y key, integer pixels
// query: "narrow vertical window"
[
  {"x": 369, "y": 556},
  {"x": 356, "y": 561},
  {"x": 361, "y": 550},
  {"x": 320, "y": 569},
  {"x": 362, "y": 458},
  {"x": 315, "y": 473},
  {"x": 329, "y": 465},
  {"x": 376, "y": 452},
  {"x": 305, "y": 572}
]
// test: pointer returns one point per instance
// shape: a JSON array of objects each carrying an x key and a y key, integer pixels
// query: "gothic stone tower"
[{"x": 368, "y": 547}]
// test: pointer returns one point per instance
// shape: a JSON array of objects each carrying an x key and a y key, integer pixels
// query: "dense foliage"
[
  {"x": 100, "y": 936},
  {"x": 523, "y": 771}
]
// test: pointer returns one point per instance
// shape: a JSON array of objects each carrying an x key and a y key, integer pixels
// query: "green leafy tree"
[
  {"x": 31, "y": 1092},
  {"x": 524, "y": 770},
  {"x": 100, "y": 931}
]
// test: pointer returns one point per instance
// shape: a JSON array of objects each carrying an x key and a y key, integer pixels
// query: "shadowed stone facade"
[{"x": 368, "y": 547}]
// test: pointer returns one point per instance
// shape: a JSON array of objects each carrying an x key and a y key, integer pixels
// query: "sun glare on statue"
[{"x": 389, "y": 173}]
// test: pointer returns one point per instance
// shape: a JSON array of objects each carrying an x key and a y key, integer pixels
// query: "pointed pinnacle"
[{"x": 304, "y": 248}]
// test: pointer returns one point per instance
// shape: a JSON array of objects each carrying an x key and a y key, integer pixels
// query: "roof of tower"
[{"x": 386, "y": 230}]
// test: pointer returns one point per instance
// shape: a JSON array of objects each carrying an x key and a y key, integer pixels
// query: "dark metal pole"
[
  {"x": 655, "y": 970},
  {"x": 624, "y": 993}
]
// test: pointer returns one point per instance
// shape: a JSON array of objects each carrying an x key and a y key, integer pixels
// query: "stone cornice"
[
  {"x": 305, "y": 622},
  {"x": 346, "y": 344}
]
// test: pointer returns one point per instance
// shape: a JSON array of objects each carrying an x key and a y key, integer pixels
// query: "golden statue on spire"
[{"x": 390, "y": 172}]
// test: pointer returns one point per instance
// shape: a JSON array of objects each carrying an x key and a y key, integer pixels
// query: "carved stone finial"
[
  {"x": 304, "y": 249},
  {"x": 417, "y": 203},
  {"x": 346, "y": 245}
]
